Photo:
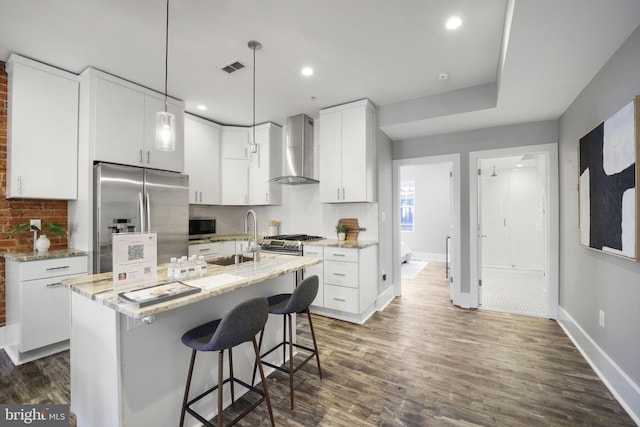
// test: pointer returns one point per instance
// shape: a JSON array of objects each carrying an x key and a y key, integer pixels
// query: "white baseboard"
[
  {"x": 428, "y": 256},
  {"x": 385, "y": 298},
  {"x": 2, "y": 339},
  {"x": 626, "y": 392}
]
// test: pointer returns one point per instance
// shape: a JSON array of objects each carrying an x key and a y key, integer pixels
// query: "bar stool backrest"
[
  {"x": 240, "y": 325},
  {"x": 303, "y": 295}
]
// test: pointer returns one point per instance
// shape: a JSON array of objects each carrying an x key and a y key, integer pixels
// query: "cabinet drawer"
[
  {"x": 53, "y": 268},
  {"x": 341, "y": 273},
  {"x": 341, "y": 254},
  {"x": 205, "y": 249},
  {"x": 341, "y": 298},
  {"x": 313, "y": 251},
  {"x": 45, "y": 316}
]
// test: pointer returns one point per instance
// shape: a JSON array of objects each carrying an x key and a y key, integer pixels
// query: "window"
[{"x": 407, "y": 202}]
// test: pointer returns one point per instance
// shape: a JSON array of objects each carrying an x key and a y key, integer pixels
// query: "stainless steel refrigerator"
[{"x": 129, "y": 199}]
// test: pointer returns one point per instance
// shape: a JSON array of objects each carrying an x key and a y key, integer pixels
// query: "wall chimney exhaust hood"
[{"x": 298, "y": 161}]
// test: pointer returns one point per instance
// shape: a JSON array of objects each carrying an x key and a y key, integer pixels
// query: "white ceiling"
[{"x": 511, "y": 61}]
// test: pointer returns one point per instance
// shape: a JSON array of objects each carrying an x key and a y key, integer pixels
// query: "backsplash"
[{"x": 300, "y": 212}]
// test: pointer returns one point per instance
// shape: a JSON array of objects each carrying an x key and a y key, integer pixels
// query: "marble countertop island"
[{"x": 219, "y": 280}]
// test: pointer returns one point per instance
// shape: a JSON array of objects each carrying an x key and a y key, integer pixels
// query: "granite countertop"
[
  {"x": 219, "y": 280},
  {"x": 221, "y": 238},
  {"x": 334, "y": 243},
  {"x": 38, "y": 256}
]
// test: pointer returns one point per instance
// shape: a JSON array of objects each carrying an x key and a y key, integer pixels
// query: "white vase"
[
  {"x": 342, "y": 236},
  {"x": 43, "y": 243}
]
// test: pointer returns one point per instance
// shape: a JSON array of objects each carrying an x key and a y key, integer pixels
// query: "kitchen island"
[{"x": 128, "y": 365}]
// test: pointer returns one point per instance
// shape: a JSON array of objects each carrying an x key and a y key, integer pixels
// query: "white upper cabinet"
[
  {"x": 42, "y": 150},
  {"x": 122, "y": 121},
  {"x": 264, "y": 164},
  {"x": 347, "y": 153},
  {"x": 202, "y": 160},
  {"x": 234, "y": 178}
]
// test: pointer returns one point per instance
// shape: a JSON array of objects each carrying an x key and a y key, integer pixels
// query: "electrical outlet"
[
  {"x": 36, "y": 222},
  {"x": 601, "y": 319}
]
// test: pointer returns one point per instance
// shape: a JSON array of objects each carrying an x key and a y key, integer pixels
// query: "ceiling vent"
[{"x": 232, "y": 67}]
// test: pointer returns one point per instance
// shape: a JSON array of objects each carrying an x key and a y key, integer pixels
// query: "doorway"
[
  {"x": 515, "y": 214},
  {"x": 427, "y": 198}
]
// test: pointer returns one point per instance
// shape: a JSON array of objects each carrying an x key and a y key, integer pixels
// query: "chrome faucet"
[{"x": 253, "y": 244}]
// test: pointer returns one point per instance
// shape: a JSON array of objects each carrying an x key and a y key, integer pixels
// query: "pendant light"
[
  {"x": 165, "y": 121},
  {"x": 254, "y": 45}
]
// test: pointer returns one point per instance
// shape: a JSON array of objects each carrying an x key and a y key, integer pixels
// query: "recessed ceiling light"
[
  {"x": 307, "y": 71},
  {"x": 202, "y": 107},
  {"x": 453, "y": 23}
]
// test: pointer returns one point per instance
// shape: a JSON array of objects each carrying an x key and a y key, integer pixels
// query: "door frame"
[
  {"x": 552, "y": 217},
  {"x": 454, "y": 160}
]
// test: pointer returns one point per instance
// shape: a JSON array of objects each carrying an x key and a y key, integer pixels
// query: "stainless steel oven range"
[{"x": 286, "y": 244}]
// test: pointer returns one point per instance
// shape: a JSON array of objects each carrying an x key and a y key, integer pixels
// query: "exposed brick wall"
[{"x": 17, "y": 211}]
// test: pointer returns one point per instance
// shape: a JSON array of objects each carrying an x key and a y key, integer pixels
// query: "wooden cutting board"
[{"x": 352, "y": 227}]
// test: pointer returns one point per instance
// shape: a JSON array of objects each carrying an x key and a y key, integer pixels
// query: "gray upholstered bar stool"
[
  {"x": 287, "y": 304},
  {"x": 240, "y": 325}
]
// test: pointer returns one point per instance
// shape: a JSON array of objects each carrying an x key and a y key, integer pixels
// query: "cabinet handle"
[
  {"x": 62, "y": 267},
  {"x": 340, "y": 299},
  {"x": 338, "y": 193},
  {"x": 266, "y": 197},
  {"x": 195, "y": 196},
  {"x": 340, "y": 274},
  {"x": 50, "y": 285},
  {"x": 148, "y": 156},
  {"x": 204, "y": 250},
  {"x": 339, "y": 255},
  {"x": 201, "y": 197},
  {"x": 20, "y": 185},
  {"x": 140, "y": 156},
  {"x": 343, "y": 194}
]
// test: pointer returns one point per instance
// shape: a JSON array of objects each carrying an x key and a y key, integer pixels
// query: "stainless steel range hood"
[{"x": 298, "y": 161}]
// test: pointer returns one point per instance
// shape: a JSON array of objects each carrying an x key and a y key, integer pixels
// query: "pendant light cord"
[
  {"x": 254, "y": 96},
  {"x": 166, "y": 58}
]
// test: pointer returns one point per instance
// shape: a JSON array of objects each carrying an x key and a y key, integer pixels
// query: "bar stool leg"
[
  {"x": 284, "y": 339},
  {"x": 220, "y": 383},
  {"x": 264, "y": 381},
  {"x": 255, "y": 364},
  {"x": 186, "y": 389},
  {"x": 315, "y": 346},
  {"x": 290, "y": 358},
  {"x": 233, "y": 398}
]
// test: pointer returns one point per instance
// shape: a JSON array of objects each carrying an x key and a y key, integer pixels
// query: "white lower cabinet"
[
  {"x": 37, "y": 306},
  {"x": 318, "y": 270},
  {"x": 225, "y": 247},
  {"x": 350, "y": 285}
]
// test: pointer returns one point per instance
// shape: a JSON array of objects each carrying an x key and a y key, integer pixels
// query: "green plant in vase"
[
  {"x": 42, "y": 243},
  {"x": 342, "y": 231}
]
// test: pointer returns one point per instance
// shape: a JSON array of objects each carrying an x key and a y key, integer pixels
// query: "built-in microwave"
[{"x": 201, "y": 227}]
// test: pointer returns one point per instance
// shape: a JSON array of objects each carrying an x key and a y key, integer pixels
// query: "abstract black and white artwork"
[{"x": 607, "y": 184}]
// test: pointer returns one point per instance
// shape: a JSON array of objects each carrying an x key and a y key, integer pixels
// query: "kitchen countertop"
[
  {"x": 350, "y": 244},
  {"x": 219, "y": 280},
  {"x": 38, "y": 256},
  {"x": 221, "y": 238}
]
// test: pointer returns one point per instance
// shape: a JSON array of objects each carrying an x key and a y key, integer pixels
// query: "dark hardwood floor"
[{"x": 420, "y": 362}]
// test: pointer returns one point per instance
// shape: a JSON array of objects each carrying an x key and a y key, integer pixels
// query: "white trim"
[
  {"x": 385, "y": 298},
  {"x": 2, "y": 337},
  {"x": 626, "y": 392},
  {"x": 456, "y": 245},
  {"x": 553, "y": 218}
]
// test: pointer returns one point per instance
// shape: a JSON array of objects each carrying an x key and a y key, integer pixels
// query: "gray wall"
[
  {"x": 432, "y": 208},
  {"x": 464, "y": 142},
  {"x": 591, "y": 281},
  {"x": 385, "y": 210}
]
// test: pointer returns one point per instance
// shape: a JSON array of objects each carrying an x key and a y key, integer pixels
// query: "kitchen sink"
[{"x": 230, "y": 260}]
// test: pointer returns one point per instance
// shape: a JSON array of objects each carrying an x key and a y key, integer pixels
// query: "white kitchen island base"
[{"x": 125, "y": 372}]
